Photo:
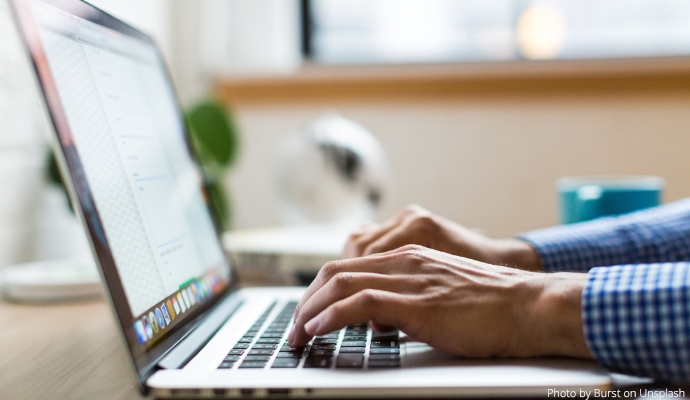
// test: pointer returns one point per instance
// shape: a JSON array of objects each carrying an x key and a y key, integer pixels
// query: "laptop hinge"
[{"x": 178, "y": 356}]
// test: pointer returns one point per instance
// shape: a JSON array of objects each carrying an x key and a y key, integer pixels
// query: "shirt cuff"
[
  {"x": 636, "y": 319},
  {"x": 578, "y": 247}
]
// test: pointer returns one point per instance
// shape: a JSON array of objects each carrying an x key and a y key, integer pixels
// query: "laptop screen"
[{"x": 124, "y": 142}]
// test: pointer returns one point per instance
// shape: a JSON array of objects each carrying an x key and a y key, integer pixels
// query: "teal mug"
[{"x": 587, "y": 198}]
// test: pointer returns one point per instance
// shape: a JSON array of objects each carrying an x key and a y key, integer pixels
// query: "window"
[{"x": 428, "y": 31}]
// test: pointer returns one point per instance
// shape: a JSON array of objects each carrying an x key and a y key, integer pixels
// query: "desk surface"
[
  {"x": 67, "y": 351},
  {"x": 62, "y": 351}
]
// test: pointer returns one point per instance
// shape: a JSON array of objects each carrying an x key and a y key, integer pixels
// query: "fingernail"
[
  {"x": 291, "y": 335},
  {"x": 312, "y": 326}
]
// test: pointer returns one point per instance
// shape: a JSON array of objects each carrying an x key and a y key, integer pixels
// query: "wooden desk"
[
  {"x": 62, "y": 351},
  {"x": 68, "y": 351}
]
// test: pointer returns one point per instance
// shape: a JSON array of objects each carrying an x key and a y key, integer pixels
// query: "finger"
[
  {"x": 342, "y": 286},
  {"x": 367, "y": 234},
  {"x": 381, "y": 328},
  {"x": 385, "y": 263},
  {"x": 382, "y": 263},
  {"x": 393, "y": 239},
  {"x": 384, "y": 308},
  {"x": 365, "y": 228},
  {"x": 357, "y": 242},
  {"x": 417, "y": 228}
]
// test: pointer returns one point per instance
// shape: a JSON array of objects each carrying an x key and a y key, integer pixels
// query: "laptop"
[{"x": 188, "y": 330}]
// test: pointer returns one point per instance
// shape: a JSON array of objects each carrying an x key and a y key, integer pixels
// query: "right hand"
[
  {"x": 461, "y": 306},
  {"x": 416, "y": 225}
]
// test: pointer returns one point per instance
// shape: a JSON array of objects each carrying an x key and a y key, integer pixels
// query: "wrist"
[
  {"x": 554, "y": 324},
  {"x": 519, "y": 254}
]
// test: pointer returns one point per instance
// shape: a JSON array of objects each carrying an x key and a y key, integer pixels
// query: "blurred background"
[{"x": 479, "y": 106}]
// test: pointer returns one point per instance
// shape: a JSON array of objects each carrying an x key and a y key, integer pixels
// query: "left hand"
[
  {"x": 416, "y": 225},
  {"x": 455, "y": 304}
]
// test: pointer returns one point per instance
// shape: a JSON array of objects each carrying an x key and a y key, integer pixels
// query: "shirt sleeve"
[
  {"x": 656, "y": 235},
  {"x": 637, "y": 319}
]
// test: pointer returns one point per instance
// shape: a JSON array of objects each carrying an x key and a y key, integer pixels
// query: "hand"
[
  {"x": 458, "y": 305},
  {"x": 415, "y": 225}
]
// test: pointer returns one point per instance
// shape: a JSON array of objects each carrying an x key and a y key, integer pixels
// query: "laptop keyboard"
[{"x": 265, "y": 345}]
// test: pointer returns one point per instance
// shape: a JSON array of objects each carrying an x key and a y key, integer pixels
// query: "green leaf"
[{"x": 213, "y": 132}]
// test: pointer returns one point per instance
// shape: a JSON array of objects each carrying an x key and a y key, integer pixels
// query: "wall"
[
  {"x": 487, "y": 162},
  {"x": 21, "y": 146}
]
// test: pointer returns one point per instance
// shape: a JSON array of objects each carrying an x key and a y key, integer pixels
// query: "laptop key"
[
  {"x": 354, "y": 338},
  {"x": 325, "y": 341},
  {"x": 238, "y": 352},
  {"x": 257, "y": 358},
  {"x": 275, "y": 330},
  {"x": 323, "y": 347},
  {"x": 352, "y": 350},
  {"x": 384, "y": 364},
  {"x": 353, "y": 344},
  {"x": 264, "y": 346},
  {"x": 287, "y": 347},
  {"x": 269, "y": 340},
  {"x": 329, "y": 336},
  {"x": 384, "y": 350},
  {"x": 384, "y": 356},
  {"x": 245, "y": 339},
  {"x": 253, "y": 364},
  {"x": 226, "y": 364},
  {"x": 231, "y": 358},
  {"x": 272, "y": 335},
  {"x": 320, "y": 353},
  {"x": 241, "y": 346},
  {"x": 385, "y": 343},
  {"x": 318, "y": 362},
  {"x": 260, "y": 352},
  {"x": 285, "y": 363},
  {"x": 297, "y": 355},
  {"x": 350, "y": 360}
]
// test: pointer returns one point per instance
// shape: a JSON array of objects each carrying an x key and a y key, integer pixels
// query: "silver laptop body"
[{"x": 123, "y": 148}]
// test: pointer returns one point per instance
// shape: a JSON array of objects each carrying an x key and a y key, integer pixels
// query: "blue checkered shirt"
[{"x": 636, "y": 304}]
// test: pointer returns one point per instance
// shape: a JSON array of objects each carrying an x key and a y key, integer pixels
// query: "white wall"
[
  {"x": 21, "y": 145},
  {"x": 488, "y": 163}
]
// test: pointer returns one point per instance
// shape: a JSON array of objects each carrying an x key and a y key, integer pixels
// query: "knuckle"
[
  {"x": 356, "y": 244},
  {"x": 342, "y": 280},
  {"x": 369, "y": 298},
  {"x": 411, "y": 250},
  {"x": 330, "y": 268},
  {"x": 353, "y": 237},
  {"x": 422, "y": 222},
  {"x": 373, "y": 249}
]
